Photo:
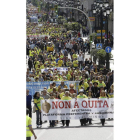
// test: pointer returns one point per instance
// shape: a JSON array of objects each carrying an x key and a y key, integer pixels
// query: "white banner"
[
  {"x": 77, "y": 109},
  {"x": 58, "y": 69}
]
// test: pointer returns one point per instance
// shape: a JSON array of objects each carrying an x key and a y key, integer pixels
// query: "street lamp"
[{"x": 103, "y": 9}]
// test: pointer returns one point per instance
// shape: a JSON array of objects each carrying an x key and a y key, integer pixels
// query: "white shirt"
[
  {"x": 80, "y": 58},
  {"x": 71, "y": 46},
  {"x": 67, "y": 45},
  {"x": 32, "y": 79}
]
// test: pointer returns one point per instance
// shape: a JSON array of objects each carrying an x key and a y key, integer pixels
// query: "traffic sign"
[
  {"x": 108, "y": 49},
  {"x": 92, "y": 18},
  {"x": 99, "y": 31},
  {"x": 99, "y": 46}
]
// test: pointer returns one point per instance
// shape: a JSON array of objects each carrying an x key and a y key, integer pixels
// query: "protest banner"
[
  {"x": 55, "y": 109},
  {"x": 61, "y": 69},
  {"x": 39, "y": 86}
]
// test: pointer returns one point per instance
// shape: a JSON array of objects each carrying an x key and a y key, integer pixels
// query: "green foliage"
[
  {"x": 72, "y": 26},
  {"x": 101, "y": 69},
  {"x": 71, "y": 20},
  {"x": 35, "y": 2},
  {"x": 101, "y": 54},
  {"x": 94, "y": 35}
]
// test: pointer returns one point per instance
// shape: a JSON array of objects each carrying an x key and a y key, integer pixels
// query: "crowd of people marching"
[{"x": 60, "y": 48}]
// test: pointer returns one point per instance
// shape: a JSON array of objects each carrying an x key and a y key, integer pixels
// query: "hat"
[
  {"x": 96, "y": 83},
  {"x": 81, "y": 90}
]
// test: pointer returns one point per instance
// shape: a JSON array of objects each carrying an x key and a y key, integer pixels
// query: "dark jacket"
[
  {"x": 97, "y": 70},
  {"x": 30, "y": 63},
  {"x": 92, "y": 89},
  {"x": 86, "y": 63},
  {"x": 75, "y": 47},
  {"x": 105, "y": 71}
]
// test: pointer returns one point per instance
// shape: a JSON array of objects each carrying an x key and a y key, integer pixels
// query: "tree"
[{"x": 101, "y": 55}]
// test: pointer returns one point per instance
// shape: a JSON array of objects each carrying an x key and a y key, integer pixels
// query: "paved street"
[{"x": 75, "y": 131}]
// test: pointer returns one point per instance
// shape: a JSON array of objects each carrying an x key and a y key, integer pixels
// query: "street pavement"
[{"x": 74, "y": 131}]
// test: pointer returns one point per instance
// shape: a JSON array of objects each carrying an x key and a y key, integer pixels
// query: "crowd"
[{"x": 62, "y": 49}]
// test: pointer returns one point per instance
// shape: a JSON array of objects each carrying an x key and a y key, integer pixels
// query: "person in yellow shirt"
[
  {"x": 94, "y": 80},
  {"x": 68, "y": 75},
  {"x": 101, "y": 83},
  {"x": 37, "y": 102},
  {"x": 53, "y": 63},
  {"x": 61, "y": 55},
  {"x": 60, "y": 62},
  {"x": 36, "y": 63},
  {"x": 41, "y": 66},
  {"x": 75, "y": 63},
  {"x": 74, "y": 56},
  {"x": 59, "y": 76},
  {"x": 83, "y": 84},
  {"x": 50, "y": 89},
  {"x": 56, "y": 78},
  {"x": 62, "y": 92},
  {"x": 65, "y": 78},
  {"x": 29, "y": 129},
  {"x": 81, "y": 95},
  {"x": 66, "y": 97},
  {"x": 111, "y": 93},
  {"x": 30, "y": 53}
]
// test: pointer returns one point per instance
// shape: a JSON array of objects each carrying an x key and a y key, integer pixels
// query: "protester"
[
  {"x": 66, "y": 97},
  {"x": 52, "y": 122},
  {"x": 37, "y": 102},
  {"x": 81, "y": 95},
  {"x": 28, "y": 102},
  {"x": 102, "y": 96},
  {"x": 29, "y": 129}
]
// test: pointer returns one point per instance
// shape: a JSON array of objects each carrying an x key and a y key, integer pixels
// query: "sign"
[
  {"x": 55, "y": 109},
  {"x": 56, "y": 68},
  {"x": 99, "y": 31},
  {"x": 92, "y": 18},
  {"x": 99, "y": 37},
  {"x": 106, "y": 36},
  {"x": 99, "y": 46},
  {"x": 99, "y": 34},
  {"x": 39, "y": 86},
  {"x": 108, "y": 49}
]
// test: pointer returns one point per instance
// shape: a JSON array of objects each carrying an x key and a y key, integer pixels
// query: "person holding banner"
[
  {"x": 37, "y": 102},
  {"x": 66, "y": 97},
  {"x": 52, "y": 122},
  {"x": 103, "y": 96},
  {"x": 62, "y": 85},
  {"x": 81, "y": 95},
  {"x": 72, "y": 90}
]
